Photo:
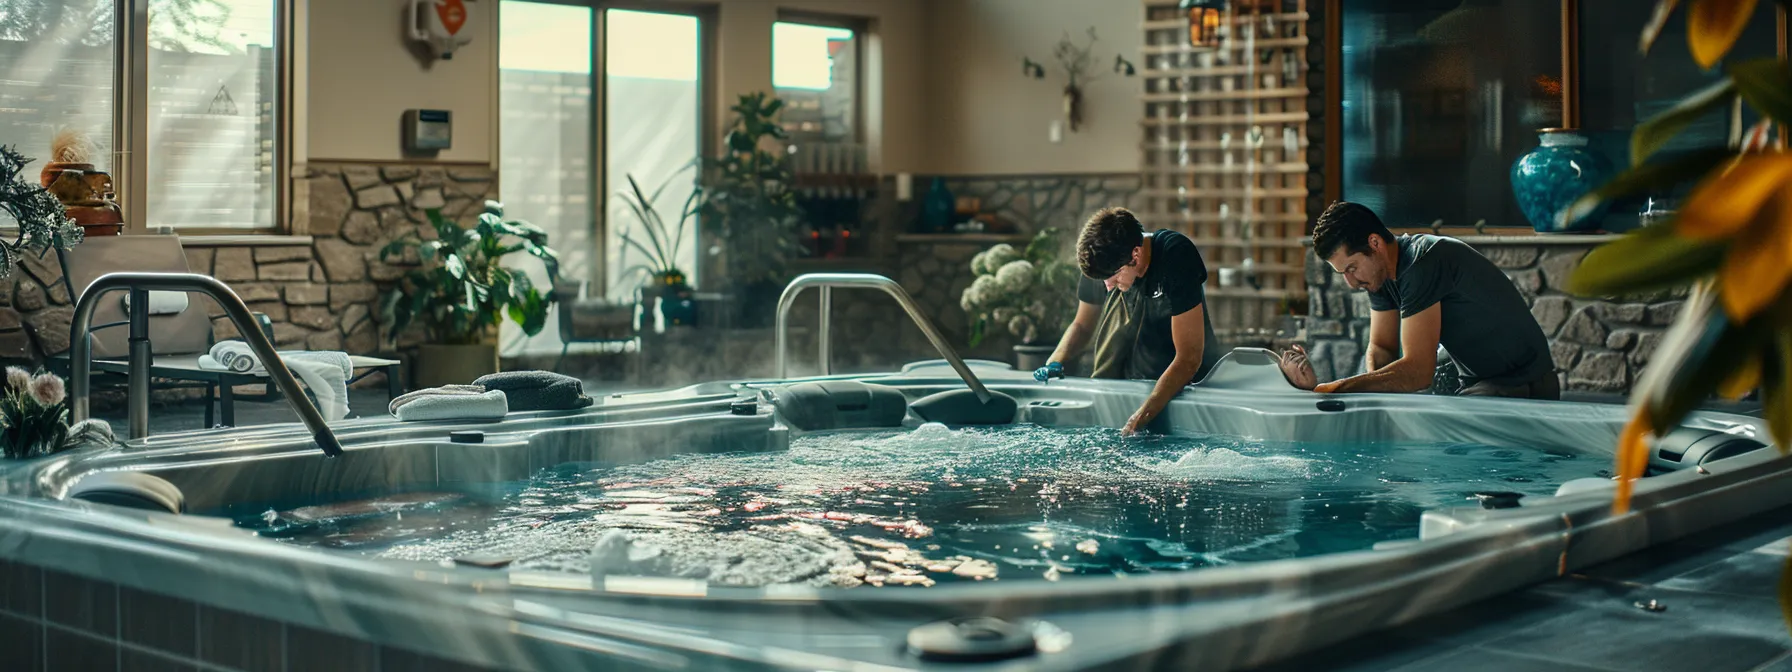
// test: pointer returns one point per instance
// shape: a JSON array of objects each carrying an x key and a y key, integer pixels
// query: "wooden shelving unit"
[{"x": 1223, "y": 149}]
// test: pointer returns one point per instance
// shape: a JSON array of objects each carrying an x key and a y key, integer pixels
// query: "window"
[
  {"x": 815, "y": 72},
  {"x": 1440, "y": 98},
  {"x": 545, "y": 136},
  {"x": 212, "y": 158},
  {"x": 653, "y": 132},
  {"x": 213, "y": 92},
  {"x": 650, "y": 129},
  {"x": 56, "y": 68}
]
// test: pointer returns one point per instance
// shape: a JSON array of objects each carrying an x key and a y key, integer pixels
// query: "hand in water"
[
  {"x": 1297, "y": 369},
  {"x": 1049, "y": 371},
  {"x": 1139, "y": 420}
]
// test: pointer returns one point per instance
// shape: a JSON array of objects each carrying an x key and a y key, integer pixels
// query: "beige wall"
[
  {"x": 945, "y": 93},
  {"x": 988, "y": 119},
  {"x": 362, "y": 74}
]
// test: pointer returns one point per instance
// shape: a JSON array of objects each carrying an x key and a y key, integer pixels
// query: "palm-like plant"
[
  {"x": 1731, "y": 241},
  {"x": 747, "y": 195},
  {"x": 460, "y": 292},
  {"x": 658, "y": 243}
]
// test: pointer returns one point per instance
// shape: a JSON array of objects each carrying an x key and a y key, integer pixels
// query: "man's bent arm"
[
  {"x": 1188, "y": 332},
  {"x": 1414, "y": 370},
  {"x": 1384, "y": 340},
  {"x": 1076, "y": 336}
]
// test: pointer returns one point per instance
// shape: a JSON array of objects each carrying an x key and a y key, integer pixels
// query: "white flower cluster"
[{"x": 1010, "y": 292}]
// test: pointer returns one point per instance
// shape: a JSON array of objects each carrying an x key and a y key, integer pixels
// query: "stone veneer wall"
[
  {"x": 1599, "y": 344},
  {"x": 319, "y": 295},
  {"x": 1033, "y": 202}
]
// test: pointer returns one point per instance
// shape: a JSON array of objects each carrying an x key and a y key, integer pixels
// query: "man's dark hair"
[
  {"x": 1107, "y": 242},
  {"x": 1347, "y": 225}
]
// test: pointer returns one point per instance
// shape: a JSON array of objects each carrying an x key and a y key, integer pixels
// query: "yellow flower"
[{"x": 1749, "y": 205}]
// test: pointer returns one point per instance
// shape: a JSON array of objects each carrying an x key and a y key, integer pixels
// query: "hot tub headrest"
[
  {"x": 1689, "y": 447},
  {"x": 962, "y": 407},
  {"x": 129, "y": 489},
  {"x": 840, "y": 404}
]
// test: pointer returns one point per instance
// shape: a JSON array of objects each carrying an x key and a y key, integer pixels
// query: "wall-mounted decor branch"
[{"x": 1078, "y": 62}]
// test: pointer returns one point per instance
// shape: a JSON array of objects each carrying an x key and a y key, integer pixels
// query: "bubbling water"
[{"x": 936, "y": 505}]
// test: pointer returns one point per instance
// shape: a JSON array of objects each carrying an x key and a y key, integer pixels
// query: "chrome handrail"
[
  {"x": 139, "y": 285},
  {"x": 828, "y": 281}
]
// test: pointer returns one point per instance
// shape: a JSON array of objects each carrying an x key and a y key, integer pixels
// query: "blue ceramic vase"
[{"x": 1551, "y": 176}]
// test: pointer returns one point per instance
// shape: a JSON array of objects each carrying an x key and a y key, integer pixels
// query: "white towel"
[
  {"x": 161, "y": 303},
  {"x": 325, "y": 373},
  {"x": 454, "y": 406}
]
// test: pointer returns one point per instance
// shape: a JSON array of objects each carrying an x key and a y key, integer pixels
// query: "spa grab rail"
[
  {"x": 827, "y": 282},
  {"x": 139, "y": 285}
]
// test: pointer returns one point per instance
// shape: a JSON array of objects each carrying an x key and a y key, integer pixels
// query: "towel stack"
[
  {"x": 450, "y": 402},
  {"x": 537, "y": 390},
  {"x": 325, "y": 373}
]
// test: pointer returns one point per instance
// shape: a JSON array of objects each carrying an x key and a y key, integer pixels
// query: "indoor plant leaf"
[
  {"x": 1712, "y": 27},
  {"x": 1657, "y": 20},
  {"x": 1660, "y": 174},
  {"x": 1653, "y": 134},
  {"x": 1649, "y": 258},
  {"x": 1767, "y": 86},
  {"x": 1695, "y": 359}
]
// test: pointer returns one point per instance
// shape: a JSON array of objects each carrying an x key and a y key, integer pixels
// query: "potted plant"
[
  {"x": 41, "y": 219},
  {"x": 659, "y": 244},
  {"x": 459, "y": 292},
  {"x": 747, "y": 200},
  {"x": 1029, "y": 293}
]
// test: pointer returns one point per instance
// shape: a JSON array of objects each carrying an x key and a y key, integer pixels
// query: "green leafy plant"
[
  {"x": 657, "y": 242},
  {"x": 33, "y": 417},
  {"x": 42, "y": 220},
  {"x": 747, "y": 196},
  {"x": 1030, "y": 293},
  {"x": 1731, "y": 241},
  {"x": 459, "y": 291}
]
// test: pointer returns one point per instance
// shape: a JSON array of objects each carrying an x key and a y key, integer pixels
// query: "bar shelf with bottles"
[{"x": 833, "y": 185}]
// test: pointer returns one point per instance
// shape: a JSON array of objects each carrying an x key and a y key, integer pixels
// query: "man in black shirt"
[
  {"x": 1141, "y": 299},
  {"x": 1425, "y": 290}
]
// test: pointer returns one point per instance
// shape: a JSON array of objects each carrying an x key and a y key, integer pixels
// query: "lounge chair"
[{"x": 180, "y": 326}]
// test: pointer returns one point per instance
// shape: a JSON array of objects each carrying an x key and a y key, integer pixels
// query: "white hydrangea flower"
[
  {"x": 979, "y": 293},
  {"x": 979, "y": 265},
  {"x": 1003, "y": 315},
  {"x": 1020, "y": 326},
  {"x": 999, "y": 256},
  {"x": 1015, "y": 276}
]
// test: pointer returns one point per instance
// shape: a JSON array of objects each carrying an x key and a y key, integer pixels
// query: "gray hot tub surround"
[{"x": 1213, "y": 618}]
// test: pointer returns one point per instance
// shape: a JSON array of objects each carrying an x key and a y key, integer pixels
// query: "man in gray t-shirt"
[{"x": 1424, "y": 291}]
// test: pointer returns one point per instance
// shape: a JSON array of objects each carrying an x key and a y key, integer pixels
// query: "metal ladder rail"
[
  {"x": 827, "y": 282},
  {"x": 139, "y": 285}
]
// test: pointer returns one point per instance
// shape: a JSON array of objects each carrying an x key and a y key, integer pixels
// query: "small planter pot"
[
  {"x": 1030, "y": 357},
  {"x": 437, "y": 365}
]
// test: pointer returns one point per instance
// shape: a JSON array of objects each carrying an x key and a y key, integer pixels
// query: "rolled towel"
[
  {"x": 443, "y": 391},
  {"x": 537, "y": 390},
  {"x": 234, "y": 355},
  {"x": 484, "y": 406}
]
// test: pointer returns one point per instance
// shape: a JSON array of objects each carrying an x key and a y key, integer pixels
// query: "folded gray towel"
[
  {"x": 429, "y": 392},
  {"x": 537, "y": 390},
  {"x": 484, "y": 406}
]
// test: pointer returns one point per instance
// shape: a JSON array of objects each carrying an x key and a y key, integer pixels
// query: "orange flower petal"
[
  {"x": 1633, "y": 457},
  {"x": 1726, "y": 202},
  {"x": 1712, "y": 27},
  {"x": 1759, "y": 263}
]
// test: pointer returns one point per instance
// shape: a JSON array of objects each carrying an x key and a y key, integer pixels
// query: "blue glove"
[{"x": 1049, "y": 371}]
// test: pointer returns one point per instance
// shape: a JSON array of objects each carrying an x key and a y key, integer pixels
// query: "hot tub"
[{"x": 1219, "y": 547}]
